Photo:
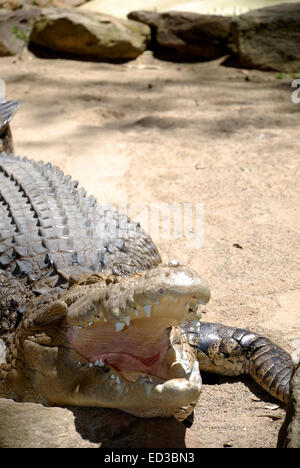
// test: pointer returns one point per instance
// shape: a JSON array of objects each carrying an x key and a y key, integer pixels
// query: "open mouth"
[
  {"x": 145, "y": 345},
  {"x": 129, "y": 334}
]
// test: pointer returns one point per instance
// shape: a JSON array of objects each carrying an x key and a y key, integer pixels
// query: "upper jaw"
[{"x": 169, "y": 290}]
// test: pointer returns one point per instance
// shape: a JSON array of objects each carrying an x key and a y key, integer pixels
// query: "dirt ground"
[{"x": 149, "y": 133}]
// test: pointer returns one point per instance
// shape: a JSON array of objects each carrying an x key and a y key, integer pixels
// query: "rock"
[
  {"x": 59, "y": 3},
  {"x": 90, "y": 35},
  {"x": 269, "y": 38},
  {"x": 289, "y": 434},
  {"x": 17, "y": 4},
  {"x": 15, "y": 29},
  {"x": 185, "y": 36},
  {"x": 31, "y": 425}
]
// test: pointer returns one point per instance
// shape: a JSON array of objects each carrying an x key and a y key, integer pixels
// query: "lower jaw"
[
  {"x": 142, "y": 395},
  {"x": 171, "y": 404}
]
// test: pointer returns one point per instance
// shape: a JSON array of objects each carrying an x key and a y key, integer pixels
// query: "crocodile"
[{"x": 91, "y": 316}]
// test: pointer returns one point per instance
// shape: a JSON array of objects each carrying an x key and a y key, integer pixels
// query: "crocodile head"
[{"x": 115, "y": 342}]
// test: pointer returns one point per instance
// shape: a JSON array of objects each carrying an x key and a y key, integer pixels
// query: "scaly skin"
[
  {"x": 235, "y": 351},
  {"x": 90, "y": 316}
]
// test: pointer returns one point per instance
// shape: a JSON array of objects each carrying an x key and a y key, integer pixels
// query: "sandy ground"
[{"x": 146, "y": 134}]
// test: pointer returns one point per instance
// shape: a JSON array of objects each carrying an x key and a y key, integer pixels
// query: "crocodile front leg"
[{"x": 235, "y": 351}]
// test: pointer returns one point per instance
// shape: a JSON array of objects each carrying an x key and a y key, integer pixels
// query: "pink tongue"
[
  {"x": 130, "y": 350},
  {"x": 129, "y": 362}
]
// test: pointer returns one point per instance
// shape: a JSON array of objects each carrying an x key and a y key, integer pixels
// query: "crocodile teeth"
[
  {"x": 127, "y": 320},
  {"x": 191, "y": 307},
  {"x": 119, "y": 326},
  {"x": 99, "y": 363},
  {"x": 147, "y": 310}
]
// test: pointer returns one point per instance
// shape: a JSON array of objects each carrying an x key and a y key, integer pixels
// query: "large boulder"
[
  {"x": 289, "y": 434},
  {"x": 269, "y": 38},
  {"x": 184, "y": 36},
  {"x": 15, "y": 29},
  {"x": 89, "y": 35}
]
